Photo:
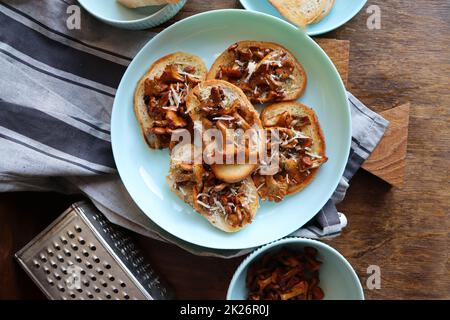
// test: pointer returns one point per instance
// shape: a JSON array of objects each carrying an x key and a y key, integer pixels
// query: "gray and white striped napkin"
[{"x": 56, "y": 93}]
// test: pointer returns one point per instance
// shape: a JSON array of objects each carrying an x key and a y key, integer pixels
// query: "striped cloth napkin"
[{"x": 56, "y": 94}]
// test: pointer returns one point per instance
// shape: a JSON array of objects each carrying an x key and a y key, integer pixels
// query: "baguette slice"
[
  {"x": 188, "y": 192},
  {"x": 325, "y": 12},
  {"x": 269, "y": 118},
  {"x": 292, "y": 88},
  {"x": 300, "y": 12},
  {"x": 230, "y": 173},
  {"x": 156, "y": 69},
  {"x": 144, "y": 3}
]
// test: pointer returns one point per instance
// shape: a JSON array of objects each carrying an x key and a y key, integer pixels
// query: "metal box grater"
[{"x": 81, "y": 255}]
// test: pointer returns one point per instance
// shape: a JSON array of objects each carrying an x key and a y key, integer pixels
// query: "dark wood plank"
[
  {"x": 22, "y": 217},
  {"x": 404, "y": 231}
]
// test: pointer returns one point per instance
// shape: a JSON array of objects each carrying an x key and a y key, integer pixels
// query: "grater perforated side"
[{"x": 81, "y": 255}]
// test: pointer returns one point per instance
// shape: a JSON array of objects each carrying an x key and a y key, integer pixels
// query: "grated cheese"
[
  {"x": 220, "y": 206},
  {"x": 274, "y": 77},
  {"x": 300, "y": 135},
  {"x": 224, "y": 118},
  {"x": 172, "y": 108},
  {"x": 171, "y": 99},
  {"x": 189, "y": 74},
  {"x": 251, "y": 67},
  {"x": 203, "y": 204},
  {"x": 277, "y": 62},
  {"x": 175, "y": 96},
  {"x": 313, "y": 155},
  {"x": 202, "y": 195}
]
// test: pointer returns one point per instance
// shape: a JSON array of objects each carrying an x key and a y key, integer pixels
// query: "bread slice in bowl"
[
  {"x": 160, "y": 96},
  {"x": 227, "y": 206},
  {"x": 301, "y": 149},
  {"x": 300, "y": 12},
  {"x": 265, "y": 71},
  {"x": 220, "y": 105}
]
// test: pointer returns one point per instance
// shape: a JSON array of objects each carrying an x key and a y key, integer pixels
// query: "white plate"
[
  {"x": 342, "y": 12},
  {"x": 143, "y": 170}
]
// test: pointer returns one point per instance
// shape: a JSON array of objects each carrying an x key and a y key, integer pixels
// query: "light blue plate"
[
  {"x": 143, "y": 170},
  {"x": 342, "y": 12},
  {"x": 338, "y": 280},
  {"x": 113, "y": 13}
]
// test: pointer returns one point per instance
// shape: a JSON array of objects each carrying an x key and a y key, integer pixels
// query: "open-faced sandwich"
[
  {"x": 227, "y": 206},
  {"x": 220, "y": 105},
  {"x": 301, "y": 148},
  {"x": 265, "y": 71},
  {"x": 160, "y": 96}
]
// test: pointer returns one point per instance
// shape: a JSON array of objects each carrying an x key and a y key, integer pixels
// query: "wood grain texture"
[
  {"x": 388, "y": 160},
  {"x": 339, "y": 53},
  {"x": 404, "y": 231}
]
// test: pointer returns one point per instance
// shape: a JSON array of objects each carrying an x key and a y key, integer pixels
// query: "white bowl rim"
[
  {"x": 292, "y": 240},
  {"x": 124, "y": 22}
]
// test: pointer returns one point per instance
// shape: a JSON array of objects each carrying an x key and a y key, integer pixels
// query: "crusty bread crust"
[
  {"x": 325, "y": 12},
  {"x": 314, "y": 131},
  {"x": 300, "y": 12},
  {"x": 293, "y": 91},
  {"x": 155, "y": 70}
]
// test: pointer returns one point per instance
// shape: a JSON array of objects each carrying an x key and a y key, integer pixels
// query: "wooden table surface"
[{"x": 403, "y": 231}]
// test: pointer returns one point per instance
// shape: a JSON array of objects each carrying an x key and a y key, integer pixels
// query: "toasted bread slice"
[
  {"x": 244, "y": 117},
  {"x": 196, "y": 193},
  {"x": 325, "y": 12},
  {"x": 146, "y": 120},
  {"x": 265, "y": 71},
  {"x": 301, "y": 122},
  {"x": 300, "y": 12}
]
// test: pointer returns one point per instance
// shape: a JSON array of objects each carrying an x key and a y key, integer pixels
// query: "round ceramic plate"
[
  {"x": 342, "y": 12},
  {"x": 113, "y": 13},
  {"x": 144, "y": 170}
]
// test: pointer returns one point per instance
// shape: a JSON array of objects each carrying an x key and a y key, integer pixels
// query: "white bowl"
[
  {"x": 338, "y": 280},
  {"x": 115, "y": 14}
]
